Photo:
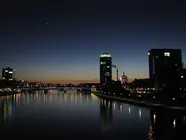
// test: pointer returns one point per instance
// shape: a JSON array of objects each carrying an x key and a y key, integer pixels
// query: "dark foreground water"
[{"x": 58, "y": 115}]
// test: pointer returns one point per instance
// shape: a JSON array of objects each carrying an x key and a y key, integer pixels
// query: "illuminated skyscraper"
[
  {"x": 105, "y": 68},
  {"x": 8, "y": 74}
]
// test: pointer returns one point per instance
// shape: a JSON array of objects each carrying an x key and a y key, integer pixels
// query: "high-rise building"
[
  {"x": 8, "y": 74},
  {"x": 183, "y": 78},
  {"x": 105, "y": 69},
  {"x": 164, "y": 66}
]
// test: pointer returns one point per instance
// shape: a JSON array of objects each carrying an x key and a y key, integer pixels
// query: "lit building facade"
[
  {"x": 124, "y": 80},
  {"x": 165, "y": 66},
  {"x": 105, "y": 69},
  {"x": 8, "y": 74}
]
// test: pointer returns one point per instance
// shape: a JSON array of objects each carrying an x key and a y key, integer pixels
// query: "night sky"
[{"x": 52, "y": 41}]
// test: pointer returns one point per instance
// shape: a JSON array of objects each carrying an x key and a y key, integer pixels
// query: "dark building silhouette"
[
  {"x": 8, "y": 74},
  {"x": 105, "y": 69},
  {"x": 164, "y": 68},
  {"x": 141, "y": 83},
  {"x": 183, "y": 78}
]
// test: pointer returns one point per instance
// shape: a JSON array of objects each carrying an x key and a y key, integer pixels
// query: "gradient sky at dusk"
[{"x": 77, "y": 31}]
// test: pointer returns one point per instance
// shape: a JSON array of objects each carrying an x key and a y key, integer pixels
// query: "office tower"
[
  {"x": 8, "y": 74},
  {"x": 183, "y": 78},
  {"x": 164, "y": 67},
  {"x": 105, "y": 69}
]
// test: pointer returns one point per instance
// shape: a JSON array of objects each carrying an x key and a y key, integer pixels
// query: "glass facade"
[{"x": 105, "y": 68}]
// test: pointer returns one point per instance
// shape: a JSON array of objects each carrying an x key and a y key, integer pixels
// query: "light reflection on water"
[{"x": 83, "y": 114}]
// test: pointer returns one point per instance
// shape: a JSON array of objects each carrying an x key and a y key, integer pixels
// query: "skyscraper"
[
  {"x": 8, "y": 74},
  {"x": 165, "y": 66},
  {"x": 105, "y": 69}
]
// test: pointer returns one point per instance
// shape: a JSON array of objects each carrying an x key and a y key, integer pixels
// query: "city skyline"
[{"x": 62, "y": 42}]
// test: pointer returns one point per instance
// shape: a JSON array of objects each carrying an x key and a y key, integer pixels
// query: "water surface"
[{"x": 77, "y": 115}]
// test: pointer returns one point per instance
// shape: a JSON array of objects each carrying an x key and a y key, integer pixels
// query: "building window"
[
  {"x": 182, "y": 76},
  {"x": 167, "y": 54},
  {"x": 148, "y": 53},
  {"x": 103, "y": 63},
  {"x": 108, "y": 66}
]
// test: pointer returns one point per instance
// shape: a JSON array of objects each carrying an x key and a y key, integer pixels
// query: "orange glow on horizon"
[{"x": 65, "y": 81}]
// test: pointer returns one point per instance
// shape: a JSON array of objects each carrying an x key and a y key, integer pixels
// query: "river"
[{"x": 81, "y": 115}]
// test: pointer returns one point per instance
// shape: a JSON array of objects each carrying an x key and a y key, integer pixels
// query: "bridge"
[{"x": 51, "y": 88}]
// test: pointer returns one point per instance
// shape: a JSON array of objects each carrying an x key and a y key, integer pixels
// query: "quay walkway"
[{"x": 142, "y": 103}]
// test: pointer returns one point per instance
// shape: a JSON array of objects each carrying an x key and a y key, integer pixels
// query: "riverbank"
[{"x": 142, "y": 103}]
